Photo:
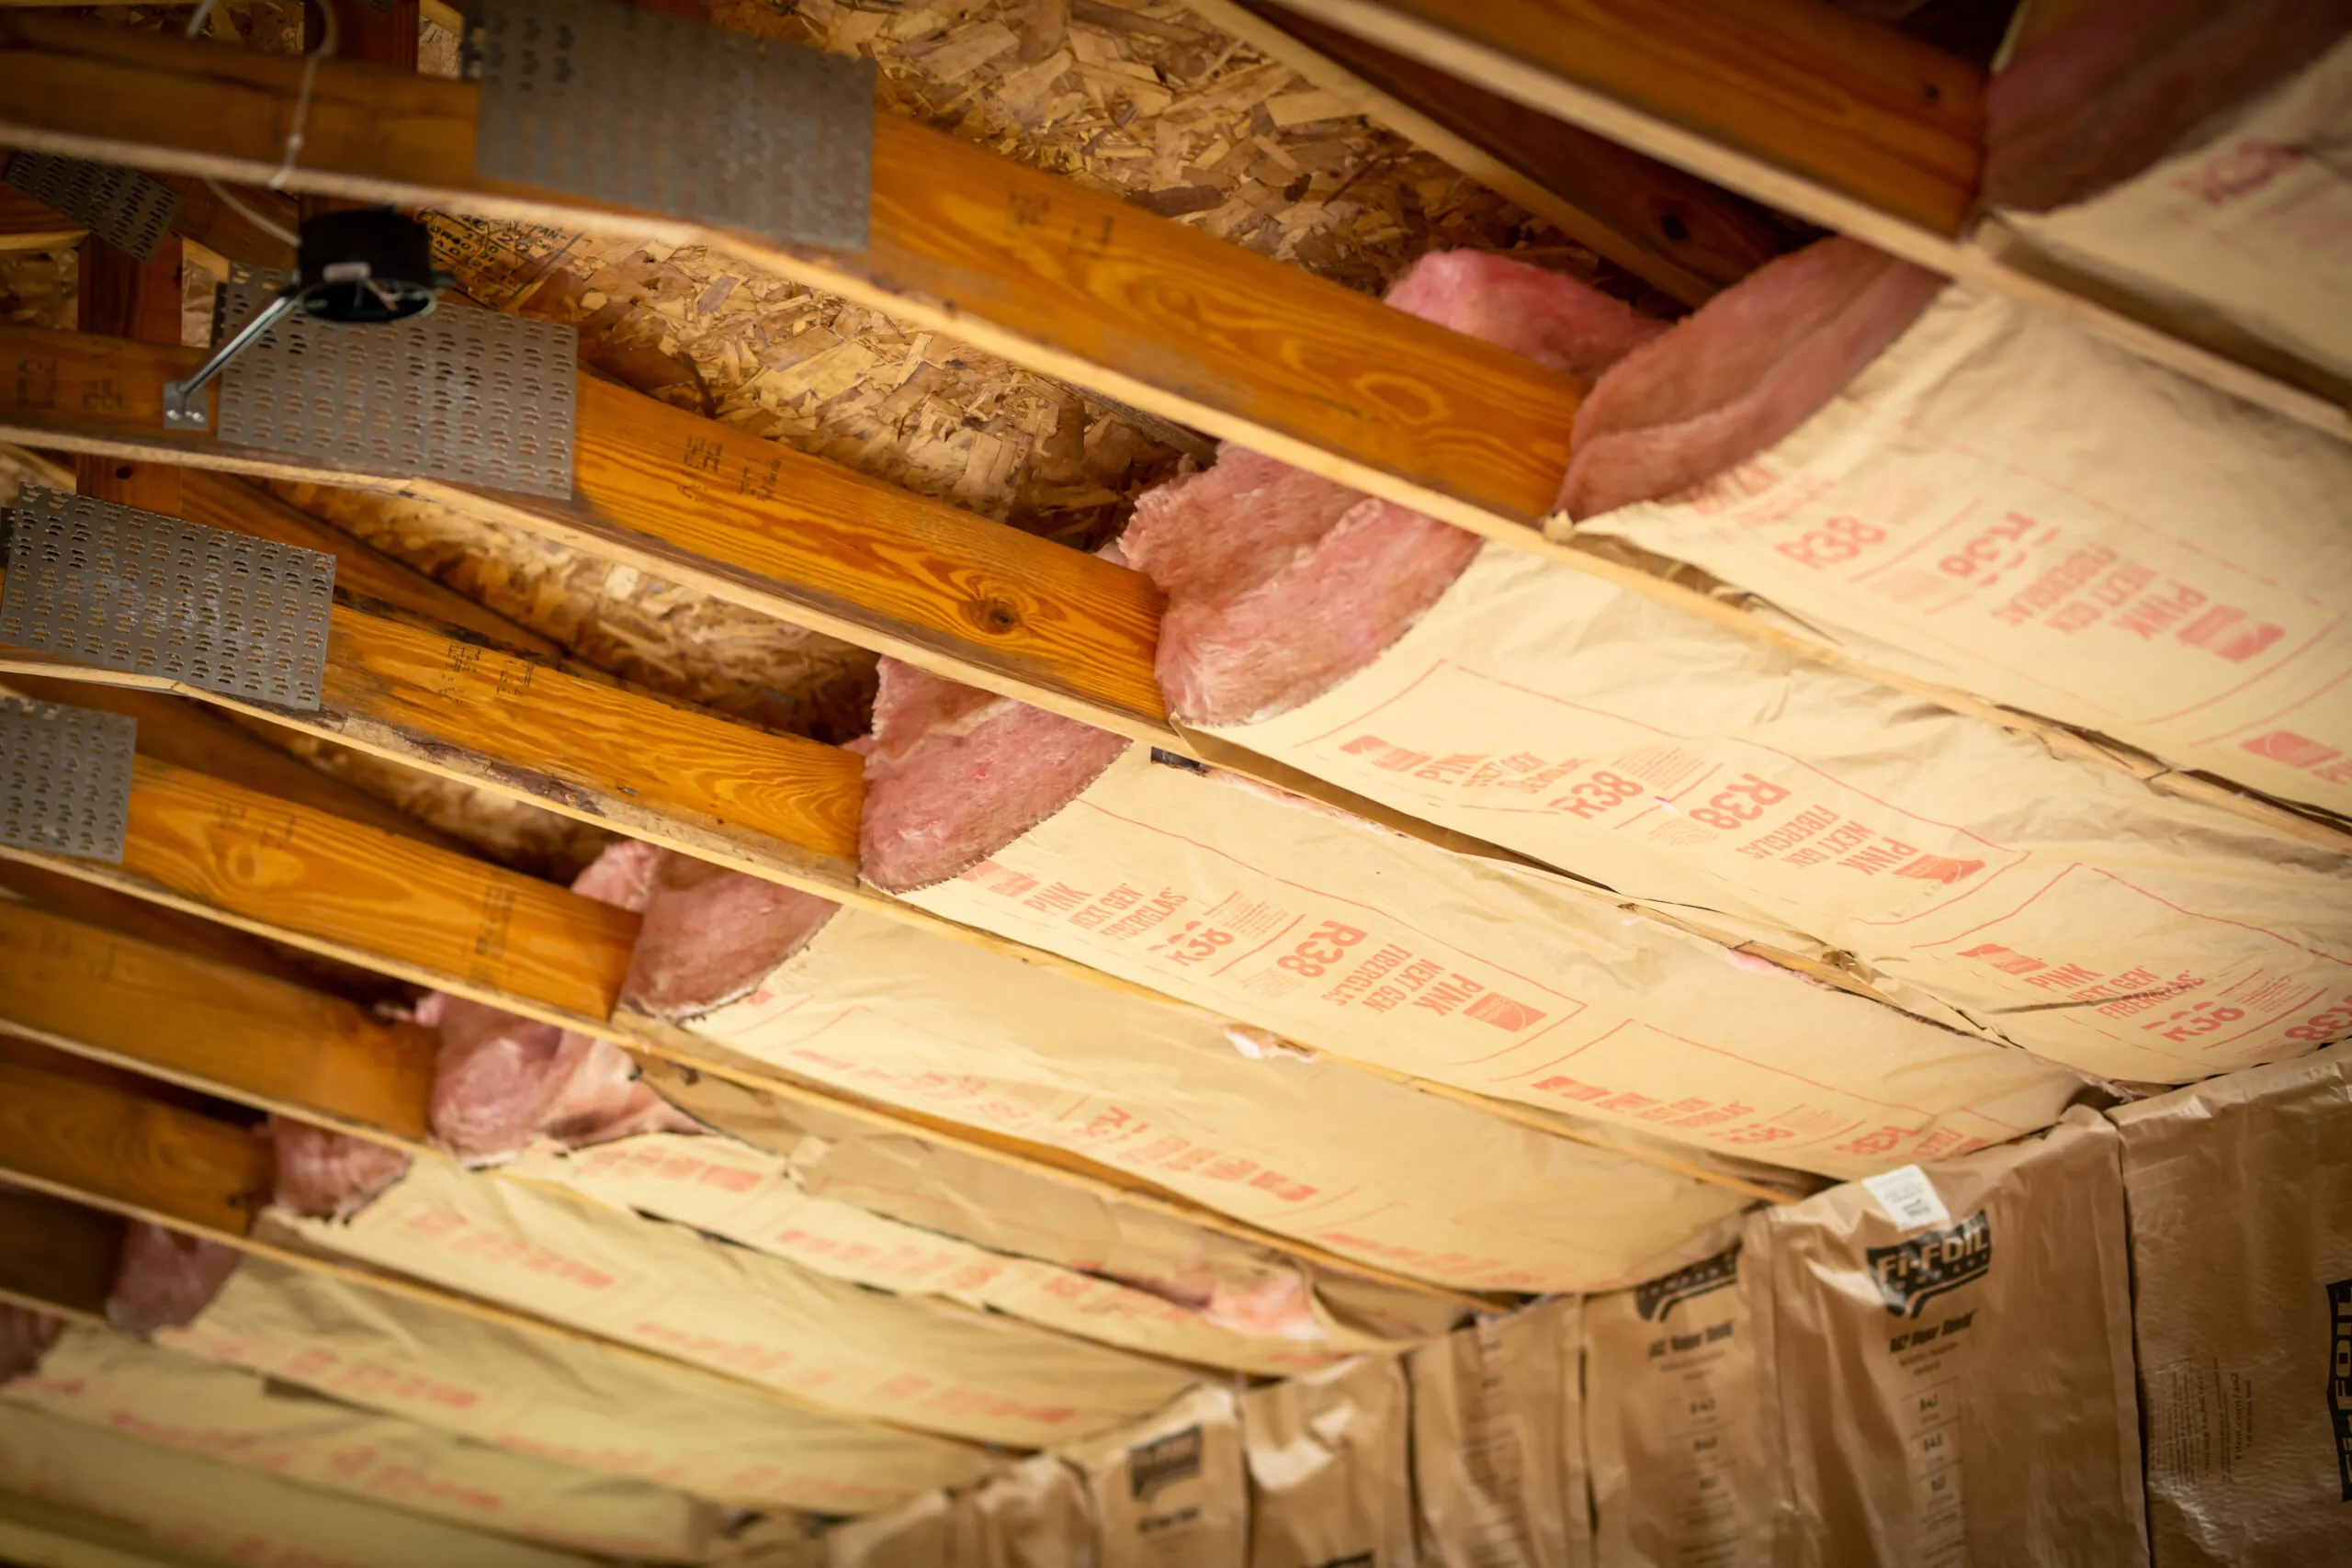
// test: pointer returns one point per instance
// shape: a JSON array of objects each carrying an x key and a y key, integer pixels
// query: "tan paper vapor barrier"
[
  {"x": 1498, "y": 1469},
  {"x": 565, "y": 1400},
  {"x": 665, "y": 1289},
  {"x": 1371, "y": 1169},
  {"x": 748, "y": 1195},
  {"x": 1482, "y": 974},
  {"x": 2004, "y": 504},
  {"x": 108, "y": 1380},
  {"x": 1169, "y": 1492},
  {"x": 1680, "y": 1422},
  {"x": 1034, "y": 1516},
  {"x": 2242, "y": 1276},
  {"x": 1007, "y": 1209},
  {"x": 230, "y": 1513},
  {"x": 2253, "y": 226},
  {"x": 2055, "y": 903},
  {"x": 1331, "y": 1468},
  {"x": 43, "y": 1535},
  {"x": 934, "y": 1531},
  {"x": 1958, "y": 1389}
]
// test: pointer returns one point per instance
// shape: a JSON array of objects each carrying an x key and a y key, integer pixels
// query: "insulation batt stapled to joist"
[{"x": 1599, "y": 733}]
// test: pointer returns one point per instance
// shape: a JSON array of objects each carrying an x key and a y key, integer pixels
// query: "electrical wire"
[{"x": 330, "y": 37}]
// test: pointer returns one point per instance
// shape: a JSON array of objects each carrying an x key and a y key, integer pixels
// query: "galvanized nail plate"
[
  {"x": 64, "y": 779},
  {"x": 110, "y": 585}
]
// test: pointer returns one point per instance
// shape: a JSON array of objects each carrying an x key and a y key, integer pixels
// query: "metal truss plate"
[
  {"x": 460, "y": 394},
  {"x": 134, "y": 591},
  {"x": 130, "y": 211},
  {"x": 616, "y": 101},
  {"x": 64, "y": 779}
]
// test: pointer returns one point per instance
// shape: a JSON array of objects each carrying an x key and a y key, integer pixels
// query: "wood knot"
[{"x": 997, "y": 616}]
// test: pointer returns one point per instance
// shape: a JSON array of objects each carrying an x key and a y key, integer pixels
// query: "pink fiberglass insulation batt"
[
  {"x": 2103, "y": 97},
  {"x": 953, "y": 773},
  {"x": 164, "y": 1279},
  {"x": 1280, "y": 583},
  {"x": 329, "y": 1176},
  {"x": 710, "y": 935},
  {"x": 501, "y": 1080},
  {"x": 25, "y": 1338},
  {"x": 1739, "y": 373}
]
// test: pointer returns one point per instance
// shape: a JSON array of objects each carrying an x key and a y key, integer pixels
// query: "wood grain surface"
[
  {"x": 29, "y": 225},
  {"x": 66, "y": 1135},
  {"x": 227, "y": 1030},
  {"x": 361, "y": 893},
  {"x": 218, "y": 501},
  {"x": 1675, "y": 232},
  {"x": 1854, "y": 106},
  {"x": 180, "y": 731}
]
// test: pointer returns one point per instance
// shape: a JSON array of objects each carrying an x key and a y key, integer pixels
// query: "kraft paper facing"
[
  {"x": 41, "y": 1535},
  {"x": 161, "y": 1396},
  {"x": 1169, "y": 1492},
  {"x": 1034, "y": 1516},
  {"x": 665, "y": 1289},
  {"x": 749, "y": 1196},
  {"x": 1961, "y": 1393},
  {"x": 1331, "y": 1468},
  {"x": 2253, "y": 226},
  {"x": 1371, "y": 1169},
  {"x": 1681, "y": 1419},
  {"x": 569, "y": 1400},
  {"x": 1485, "y": 975},
  {"x": 229, "y": 1513},
  {"x": 2050, "y": 903},
  {"x": 1499, "y": 1470},
  {"x": 934, "y": 1531},
  {"x": 941, "y": 1188},
  {"x": 2004, "y": 504},
  {"x": 2242, "y": 1272}
]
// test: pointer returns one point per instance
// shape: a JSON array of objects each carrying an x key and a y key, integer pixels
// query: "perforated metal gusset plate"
[
  {"x": 460, "y": 394},
  {"x": 616, "y": 101},
  {"x": 135, "y": 591},
  {"x": 129, "y": 210},
  {"x": 64, "y": 779}
]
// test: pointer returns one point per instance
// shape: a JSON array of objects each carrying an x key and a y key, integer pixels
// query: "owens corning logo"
[
  {"x": 1912, "y": 1273},
  {"x": 1163, "y": 1461},
  {"x": 2339, "y": 1380},
  {"x": 1657, "y": 1298}
]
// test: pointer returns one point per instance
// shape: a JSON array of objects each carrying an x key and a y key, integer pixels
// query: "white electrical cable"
[
  {"x": 330, "y": 37},
  {"x": 327, "y": 41}
]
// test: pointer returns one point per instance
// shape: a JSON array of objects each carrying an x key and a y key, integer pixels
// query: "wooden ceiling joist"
[
  {"x": 1820, "y": 113},
  {"x": 57, "y": 1256},
  {"x": 88, "y": 1143}
]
